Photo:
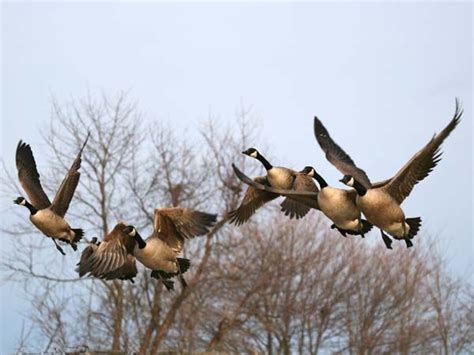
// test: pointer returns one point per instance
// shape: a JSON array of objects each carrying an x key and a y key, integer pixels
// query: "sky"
[{"x": 381, "y": 76}]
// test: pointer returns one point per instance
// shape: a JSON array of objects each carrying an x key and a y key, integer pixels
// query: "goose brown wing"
[
  {"x": 68, "y": 186},
  {"x": 175, "y": 225},
  {"x": 293, "y": 208},
  {"x": 306, "y": 197},
  {"x": 337, "y": 156},
  {"x": 111, "y": 258},
  {"x": 422, "y": 163},
  {"x": 29, "y": 177},
  {"x": 254, "y": 198},
  {"x": 126, "y": 272},
  {"x": 381, "y": 183}
]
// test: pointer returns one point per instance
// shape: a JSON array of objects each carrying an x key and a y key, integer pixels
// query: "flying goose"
[
  {"x": 381, "y": 204},
  {"x": 337, "y": 204},
  {"x": 114, "y": 257},
  {"x": 122, "y": 264},
  {"x": 278, "y": 178},
  {"x": 46, "y": 216}
]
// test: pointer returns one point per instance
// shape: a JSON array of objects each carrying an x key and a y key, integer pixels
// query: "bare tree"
[{"x": 270, "y": 286}]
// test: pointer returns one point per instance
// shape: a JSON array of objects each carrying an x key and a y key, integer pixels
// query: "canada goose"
[
  {"x": 46, "y": 216},
  {"x": 337, "y": 204},
  {"x": 278, "y": 178},
  {"x": 381, "y": 205},
  {"x": 123, "y": 266},
  {"x": 114, "y": 256}
]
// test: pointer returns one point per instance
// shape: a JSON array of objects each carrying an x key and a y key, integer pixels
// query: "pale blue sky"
[{"x": 382, "y": 77}]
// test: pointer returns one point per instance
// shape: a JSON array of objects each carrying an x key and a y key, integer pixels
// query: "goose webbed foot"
[
  {"x": 386, "y": 240},
  {"x": 409, "y": 243},
  {"x": 74, "y": 246},
  {"x": 168, "y": 284},
  {"x": 58, "y": 247},
  {"x": 342, "y": 231},
  {"x": 160, "y": 275}
]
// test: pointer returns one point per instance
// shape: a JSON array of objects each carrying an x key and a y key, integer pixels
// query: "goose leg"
[
  {"x": 180, "y": 276},
  {"x": 386, "y": 240},
  {"x": 168, "y": 283},
  {"x": 58, "y": 247},
  {"x": 72, "y": 244},
  {"x": 407, "y": 240}
]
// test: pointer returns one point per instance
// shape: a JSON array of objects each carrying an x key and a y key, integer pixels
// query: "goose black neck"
[
  {"x": 32, "y": 208},
  {"x": 140, "y": 241},
  {"x": 322, "y": 183},
  {"x": 361, "y": 190},
  {"x": 264, "y": 161}
]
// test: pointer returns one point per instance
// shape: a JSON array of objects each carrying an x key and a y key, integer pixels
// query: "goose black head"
[
  {"x": 251, "y": 152},
  {"x": 309, "y": 170},
  {"x": 131, "y": 231},
  {"x": 20, "y": 201},
  {"x": 347, "y": 180}
]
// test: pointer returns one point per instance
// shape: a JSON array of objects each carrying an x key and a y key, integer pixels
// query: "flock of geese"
[{"x": 115, "y": 256}]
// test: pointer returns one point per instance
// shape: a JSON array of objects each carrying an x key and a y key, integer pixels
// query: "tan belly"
[
  {"x": 157, "y": 255},
  {"x": 384, "y": 212},
  {"x": 339, "y": 209},
  {"x": 280, "y": 178},
  {"x": 52, "y": 225},
  {"x": 398, "y": 230}
]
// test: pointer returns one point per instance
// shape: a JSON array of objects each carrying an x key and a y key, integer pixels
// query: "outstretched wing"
[
  {"x": 29, "y": 177},
  {"x": 293, "y": 208},
  {"x": 254, "y": 198},
  {"x": 337, "y": 156},
  {"x": 175, "y": 225},
  {"x": 68, "y": 186},
  {"x": 422, "y": 163},
  {"x": 110, "y": 259},
  {"x": 305, "y": 197}
]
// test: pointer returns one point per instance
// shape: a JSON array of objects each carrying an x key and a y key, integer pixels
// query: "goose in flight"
[
  {"x": 381, "y": 204},
  {"x": 278, "y": 178},
  {"x": 46, "y": 216},
  {"x": 337, "y": 204},
  {"x": 116, "y": 255}
]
